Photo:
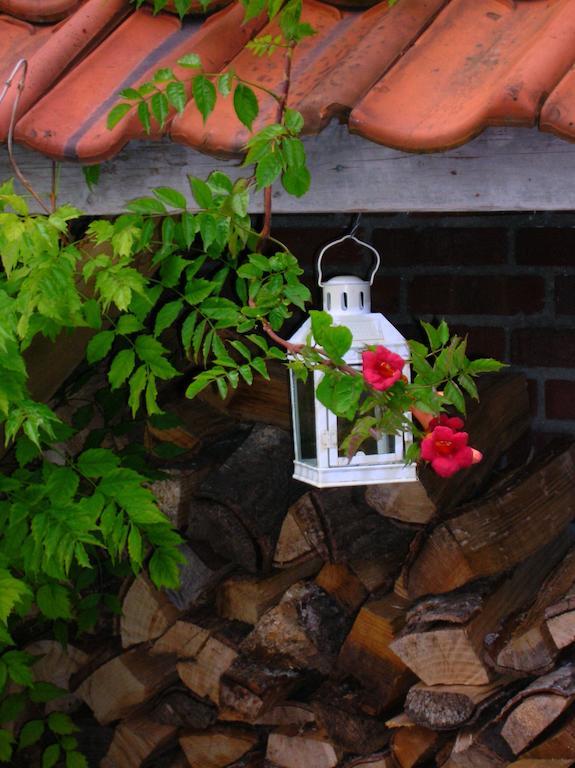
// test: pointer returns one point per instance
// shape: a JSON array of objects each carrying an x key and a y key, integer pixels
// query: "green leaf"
[
  {"x": 163, "y": 75},
  {"x": 335, "y": 340},
  {"x": 116, "y": 114},
  {"x": 160, "y": 107},
  {"x": 294, "y": 152},
  {"x": 51, "y": 756},
  {"x": 135, "y": 547},
  {"x": 176, "y": 93},
  {"x": 189, "y": 227},
  {"x": 170, "y": 197},
  {"x": 167, "y": 316},
  {"x": 484, "y": 365},
  {"x": 18, "y": 664},
  {"x": 148, "y": 348},
  {"x": 42, "y": 692},
  {"x": 296, "y": 181},
  {"x": 76, "y": 760},
  {"x": 6, "y": 740},
  {"x": 164, "y": 568},
  {"x": 259, "y": 364},
  {"x": 143, "y": 112},
  {"x": 54, "y": 601},
  {"x": 130, "y": 93},
  {"x": 190, "y": 61},
  {"x": 121, "y": 368},
  {"x": 467, "y": 383},
  {"x": 99, "y": 346},
  {"x": 198, "y": 384},
  {"x": 452, "y": 393},
  {"x": 91, "y": 175},
  {"x": 268, "y": 169},
  {"x": 293, "y": 120},
  {"x": 97, "y": 462},
  {"x": 12, "y": 591},
  {"x": 137, "y": 386},
  {"x": 443, "y": 332},
  {"x": 201, "y": 192},
  {"x": 30, "y": 733},
  {"x": 188, "y": 327},
  {"x": 204, "y": 93},
  {"x": 432, "y": 335},
  {"x": 146, "y": 205},
  {"x": 246, "y": 105},
  {"x": 225, "y": 83},
  {"x": 61, "y": 724}
]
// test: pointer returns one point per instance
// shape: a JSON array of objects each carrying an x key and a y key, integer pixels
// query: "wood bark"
[
  {"x": 560, "y": 742},
  {"x": 502, "y": 530},
  {"x": 413, "y": 746},
  {"x": 535, "y": 708},
  {"x": 201, "y": 572},
  {"x": 176, "y": 707},
  {"x": 449, "y": 649},
  {"x": 240, "y": 507},
  {"x": 57, "y": 664},
  {"x": 446, "y": 707}
]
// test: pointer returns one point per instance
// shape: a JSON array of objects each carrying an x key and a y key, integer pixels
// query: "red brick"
[
  {"x": 545, "y": 347},
  {"x": 441, "y": 245},
  {"x": 482, "y": 341},
  {"x": 545, "y": 245},
  {"x": 560, "y": 399},
  {"x": 565, "y": 295},
  {"x": 475, "y": 295}
]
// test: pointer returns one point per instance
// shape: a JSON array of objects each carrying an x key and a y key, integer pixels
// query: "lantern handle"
[{"x": 350, "y": 236}]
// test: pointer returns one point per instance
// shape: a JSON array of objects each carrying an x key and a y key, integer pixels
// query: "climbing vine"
[{"x": 227, "y": 288}]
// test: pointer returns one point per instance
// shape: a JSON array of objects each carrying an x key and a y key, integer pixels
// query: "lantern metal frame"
[{"x": 348, "y": 300}]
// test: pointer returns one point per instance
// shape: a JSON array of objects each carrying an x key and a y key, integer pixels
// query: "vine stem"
[{"x": 281, "y": 106}]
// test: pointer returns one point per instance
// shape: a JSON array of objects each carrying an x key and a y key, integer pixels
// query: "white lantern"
[{"x": 319, "y": 433}]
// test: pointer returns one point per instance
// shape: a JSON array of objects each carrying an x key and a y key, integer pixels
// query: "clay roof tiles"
[{"x": 423, "y": 75}]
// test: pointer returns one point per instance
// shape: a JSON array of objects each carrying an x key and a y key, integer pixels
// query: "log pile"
[{"x": 380, "y": 627}]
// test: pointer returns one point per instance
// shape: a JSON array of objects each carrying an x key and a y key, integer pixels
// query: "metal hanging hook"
[{"x": 350, "y": 236}]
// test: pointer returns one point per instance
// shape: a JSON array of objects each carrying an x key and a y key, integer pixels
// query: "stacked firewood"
[{"x": 426, "y": 624}]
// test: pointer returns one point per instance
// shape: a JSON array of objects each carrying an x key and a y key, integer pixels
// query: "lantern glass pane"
[
  {"x": 371, "y": 446},
  {"x": 305, "y": 394}
]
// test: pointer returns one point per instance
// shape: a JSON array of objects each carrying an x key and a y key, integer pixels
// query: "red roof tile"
[{"x": 423, "y": 75}]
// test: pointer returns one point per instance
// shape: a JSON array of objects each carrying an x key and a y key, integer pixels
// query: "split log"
[
  {"x": 57, "y": 664},
  {"x": 373, "y": 761},
  {"x": 366, "y": 654},
  {"x": 406, "y": 502},
  {"x": 341, "y": 527},
  {"x": 218, "y": 747},
  {"x": 536, "y": 707},
  {"x": 240, "y": 507},
  {"x": 444, "y": 643},
  {"x": 535, "y": 763},
  {"x": 118, "y": 686},
  {"x": 202, "y": 674},
  {"x": 495, "y": 534},
  {"x": 559, "y": 743},
  {"x": 306, "y": 630},
  {"x": 339, "y": 581},
  {"x": 528, "y": 645},
  {"x": 480, "y": 746},
  {"x": 413, "y": 746},
  {"x": 250, "y": 688},
  {"x": 347, "y": 715},
  {"x": 292, "y": 713},
  {"x": 178, "y": 708},
  {"x": 175, "y": 492},
  {"x": 266, "y": 400},
  {"x": 376, "y": 575},
  {"x": 201, "y": 572},
  {"x": 135, "y": 740},
  {"x": 446, "y": 707},
  {"x": 185, "y": 639},
  {"x": 146, "y": 613},
  {"x": 247, "y": 598},
  {"x": 560, "y": 621},
  {"x": 292, "y": 546},
  {"x": 293, "y": 750}
]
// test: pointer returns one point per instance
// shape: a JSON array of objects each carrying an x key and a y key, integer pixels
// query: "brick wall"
[{"x": 508, "y": 280}]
